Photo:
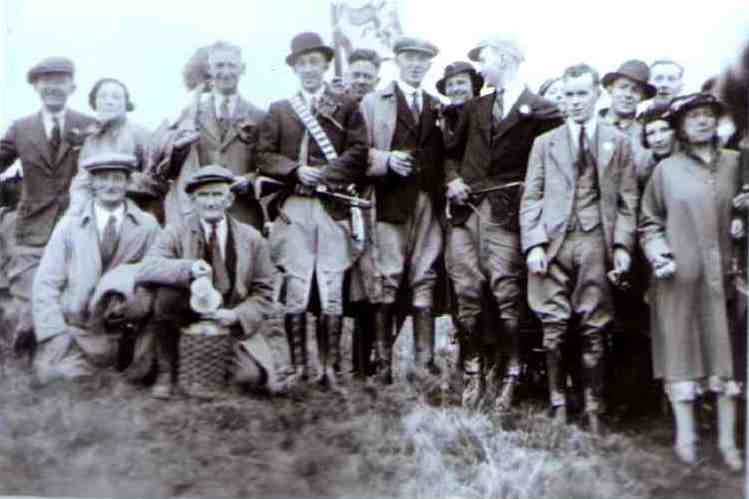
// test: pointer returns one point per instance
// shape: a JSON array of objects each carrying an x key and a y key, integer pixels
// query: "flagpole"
[{"x": 336, "y": 35}]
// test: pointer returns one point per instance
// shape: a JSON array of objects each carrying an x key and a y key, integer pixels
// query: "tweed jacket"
[
  {"x": 547, "y": 201},
  {"x": 46, "y": 180},
  {"x": 486, "y": 156},
  {"x": 71, "y": 266},
  {"x": 170, "y": 259}
]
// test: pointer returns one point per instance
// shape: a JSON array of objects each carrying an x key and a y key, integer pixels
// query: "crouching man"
[
  {"x": 209, "y": 243},
  {"x": 111, "y": 231}
]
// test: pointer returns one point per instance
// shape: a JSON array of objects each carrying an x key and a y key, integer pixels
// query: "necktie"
[
  {"x": 55, "y": 136},
  {"x": 109, "y": 240},
  {"x": 498, "y": 108},
  {"x": 220, "y": 274},
  {"x": 581, "y": 156},
  {"x": 415, "y": 110},
  {"x": 224, "y": 118}
]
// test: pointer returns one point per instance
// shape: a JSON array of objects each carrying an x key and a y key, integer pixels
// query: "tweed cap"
[
  {"x": 635, "y": 70},
  {"x": 504, "y": 44},
  {"x": 50, "y": 65},
  {"x": 415, "y": 44},
  {"x": 207, "y": 175},
  {"x": 107, "y": 161}
]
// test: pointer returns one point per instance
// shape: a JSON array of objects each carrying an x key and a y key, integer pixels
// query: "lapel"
[
  {"x": 484, "y": 117},
  {"x": 129, "y": 238},
  {"x": 70, "y": 123},
  {"x": 385, "y": 116},
  {"x": 242, "y": 267},
  {"x": 513, "y": 116},
  {"x": 561, "y": 151},
  {"x": 39, "y": 138},
  {"x": 605, "y": 145},
  {"x": 196, "y": 239},
  {"x": 428, "y": 118},
  {"x": 90, "y": 239},
  {"x": 211, "y": 128},
  {"x": 402, "y": 104},
  {"x": 240, "y": 113}
]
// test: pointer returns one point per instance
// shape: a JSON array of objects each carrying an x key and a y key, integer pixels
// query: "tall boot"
[
  {"x": 167, "y": 340},
  {"x": 296, "y": 325},
  {"x": 727, "y": 432},
  {"x": 510, "y": 328},
  {"x": 329, "y": 332},
  {"x": 594, "y": 372},
  {"x": 383, "y": 325},
  {"x": 686, "y": 435},
  {"x": 556, "y": 375},
  {"x": 335, "y": 328},
  {"x": 424, "y": 338}
]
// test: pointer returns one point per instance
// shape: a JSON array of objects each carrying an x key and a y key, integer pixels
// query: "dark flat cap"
[
  {"x": 634, "y": 70},
  {"x": 406, "y": 43},
  {"x": 107, "y": 161},
  {"x": 461, "y": 67},
  {"x": 209, "y": 174},
  {"x": 680, "y": 105},
  {"x": 304, "y": 43},
  {"x": 51, "y": 65}
]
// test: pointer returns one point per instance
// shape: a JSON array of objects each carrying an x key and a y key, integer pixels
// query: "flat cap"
[
  {"x": 51, "y": 65},
  {"x": 412, "y": 43},
  {"x": 107, "y": 161},
  {"x": 503, "y": 44},
  {"x": 207, "y": 175}
]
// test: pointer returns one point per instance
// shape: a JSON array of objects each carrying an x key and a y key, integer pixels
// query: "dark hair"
[
  {"x": 368, "y": 55},
  {"x": 579, "y": 70},
  {"x": 653, "y": 113},
  {"x": 129, "y": 106}
]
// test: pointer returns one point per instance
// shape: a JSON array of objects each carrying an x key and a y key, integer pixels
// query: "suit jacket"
[
  {"x": 236, "y": 151},
  {"x": 547, "y": 202},
  {"x": 71, "y": 266},
  {"x": 280, "y": 138},
  {"x": 46, "y": 180},
  {"x": 484, "y": 156},
  {"x": 380, "y": 110},
  {"x": 170, "y": 259}
]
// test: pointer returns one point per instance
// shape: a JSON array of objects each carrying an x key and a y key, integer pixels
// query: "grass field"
[{"x": 104, "y": 438}]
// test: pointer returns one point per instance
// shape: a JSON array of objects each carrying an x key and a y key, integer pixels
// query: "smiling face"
[
  {"x": 54, "y": 89},
  {"x": 660, "y": 137},
  {"x": 699, "y": 125},
  {"x": 111, "y": 101},
  {"x": 310, "y": 68},
  {"x": 225, "y": 67},
  {"x": 413, "y": 66},
  {"x": 667, "y": 79},
  {"x": 459, "y": 88},
  {"x": 212, "y": 200},
  {"x": 580, "y": 97},
  {"x": 109, "y": 187},
  {"x": 625, "y": 95}
]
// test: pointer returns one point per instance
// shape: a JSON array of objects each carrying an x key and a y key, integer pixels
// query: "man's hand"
[
  {"x": 309, "y": 176},
  {"x": 664, "y": 268},
  {"x": 622, "y": 260},
  {"x": 536, "y": 261},
  {"x": 185, "y": 138},
  {"x": 201, "y": 269},
  {"x": 458, "y": 192},
  {"x": 224, "y": 316},
  {"x": 401, "y": 163}
]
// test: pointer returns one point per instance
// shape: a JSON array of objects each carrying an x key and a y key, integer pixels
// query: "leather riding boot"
[
  {"x": 511, "y": 328},
  {"x": 556, "y": 375},
  {"x": 423, "y": 326},
  {"x": 335, "y": 326},
  {"x": 167, "y": 340},
  {"x": 296, "y": 325},
  {"x": 328, "y": 327},
  {"x": 383, "y": 324}
]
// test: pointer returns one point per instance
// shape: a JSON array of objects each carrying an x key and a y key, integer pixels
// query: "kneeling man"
[
  {"x": 210, "y": 243},
  {"x": 110, "y": 232}
]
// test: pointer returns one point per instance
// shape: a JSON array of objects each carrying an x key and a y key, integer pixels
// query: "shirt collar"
[
  {"x": 590, "y": 127},
  {"x": 127, "y": 209},
  {"x": 317, "y": 95},
  {"x": 218, "y": 99},
  {"x": 407, "y": 89},
  {"x": 118, "y": 212},
  {"x": 512, "y": 92},
  {"x": 207, "y": 227}
]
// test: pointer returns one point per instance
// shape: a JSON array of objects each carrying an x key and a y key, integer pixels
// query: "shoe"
[
  {"x": 687, "y": 453},
  {"x": 506, "y": 394},
  {"x": 162, "y": 388},
  {"x": 732, "y": 458}
]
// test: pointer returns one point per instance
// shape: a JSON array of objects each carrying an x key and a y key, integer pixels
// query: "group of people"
[{"x": 362, "y": 197}]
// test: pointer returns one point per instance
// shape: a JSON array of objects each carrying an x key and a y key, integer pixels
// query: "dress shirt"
[
  {"x": 218, "y": 99},
  {"x": 102, "y": 217},
  {"x": 49, "y": 124},
  {"x": 222, "y": 232},
  {"x": 316, "y": 96},
  {"x": 590, "y": 131},
  {"x": 409, "y": 91},
  {"x": 512, "y": 92}
]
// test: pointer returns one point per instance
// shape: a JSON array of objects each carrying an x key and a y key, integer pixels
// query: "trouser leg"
[
  {"x": 296, "y": 331},
  {"x": 383, "y": 323},
  {"x": 727, "y": 431},
  {"x": 424, "y": 338}
]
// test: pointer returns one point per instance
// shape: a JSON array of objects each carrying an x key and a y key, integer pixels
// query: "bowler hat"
[
  {"x": 308, "y": 42},
  {"x": 634, "y": 70},
  {"x": 50, "y": 65},
  {"x": 680, "y": 105},
  {"x": 107, "y": 161},
  {"x": 406, "y": 43},
  {"x": 461, "y": 67},
  {"x": 207, "y": 175}
]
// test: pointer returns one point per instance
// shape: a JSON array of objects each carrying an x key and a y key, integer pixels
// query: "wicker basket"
[{"x": 204, "y": 355}]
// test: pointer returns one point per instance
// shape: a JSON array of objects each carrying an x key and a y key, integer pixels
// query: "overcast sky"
[{"x": 146, "y": 42}]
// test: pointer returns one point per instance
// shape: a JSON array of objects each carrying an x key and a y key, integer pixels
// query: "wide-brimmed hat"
[
  {"x": 414, "y": 44},
  {"x": 308, "y": 42},
  {"x": 634, "y": 70},
  {"x": 209, "y": 174},
  {"x": 50, "y": 65},
  {"x": 680, "y": 105},
  {"x": 457, "y": 68},
  {"x": 108, "y": 161}
]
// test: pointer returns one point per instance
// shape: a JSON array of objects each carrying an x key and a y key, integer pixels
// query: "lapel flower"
[
  {"x": 525, "y": 110},
  {"x": 76, "y": 137}
]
